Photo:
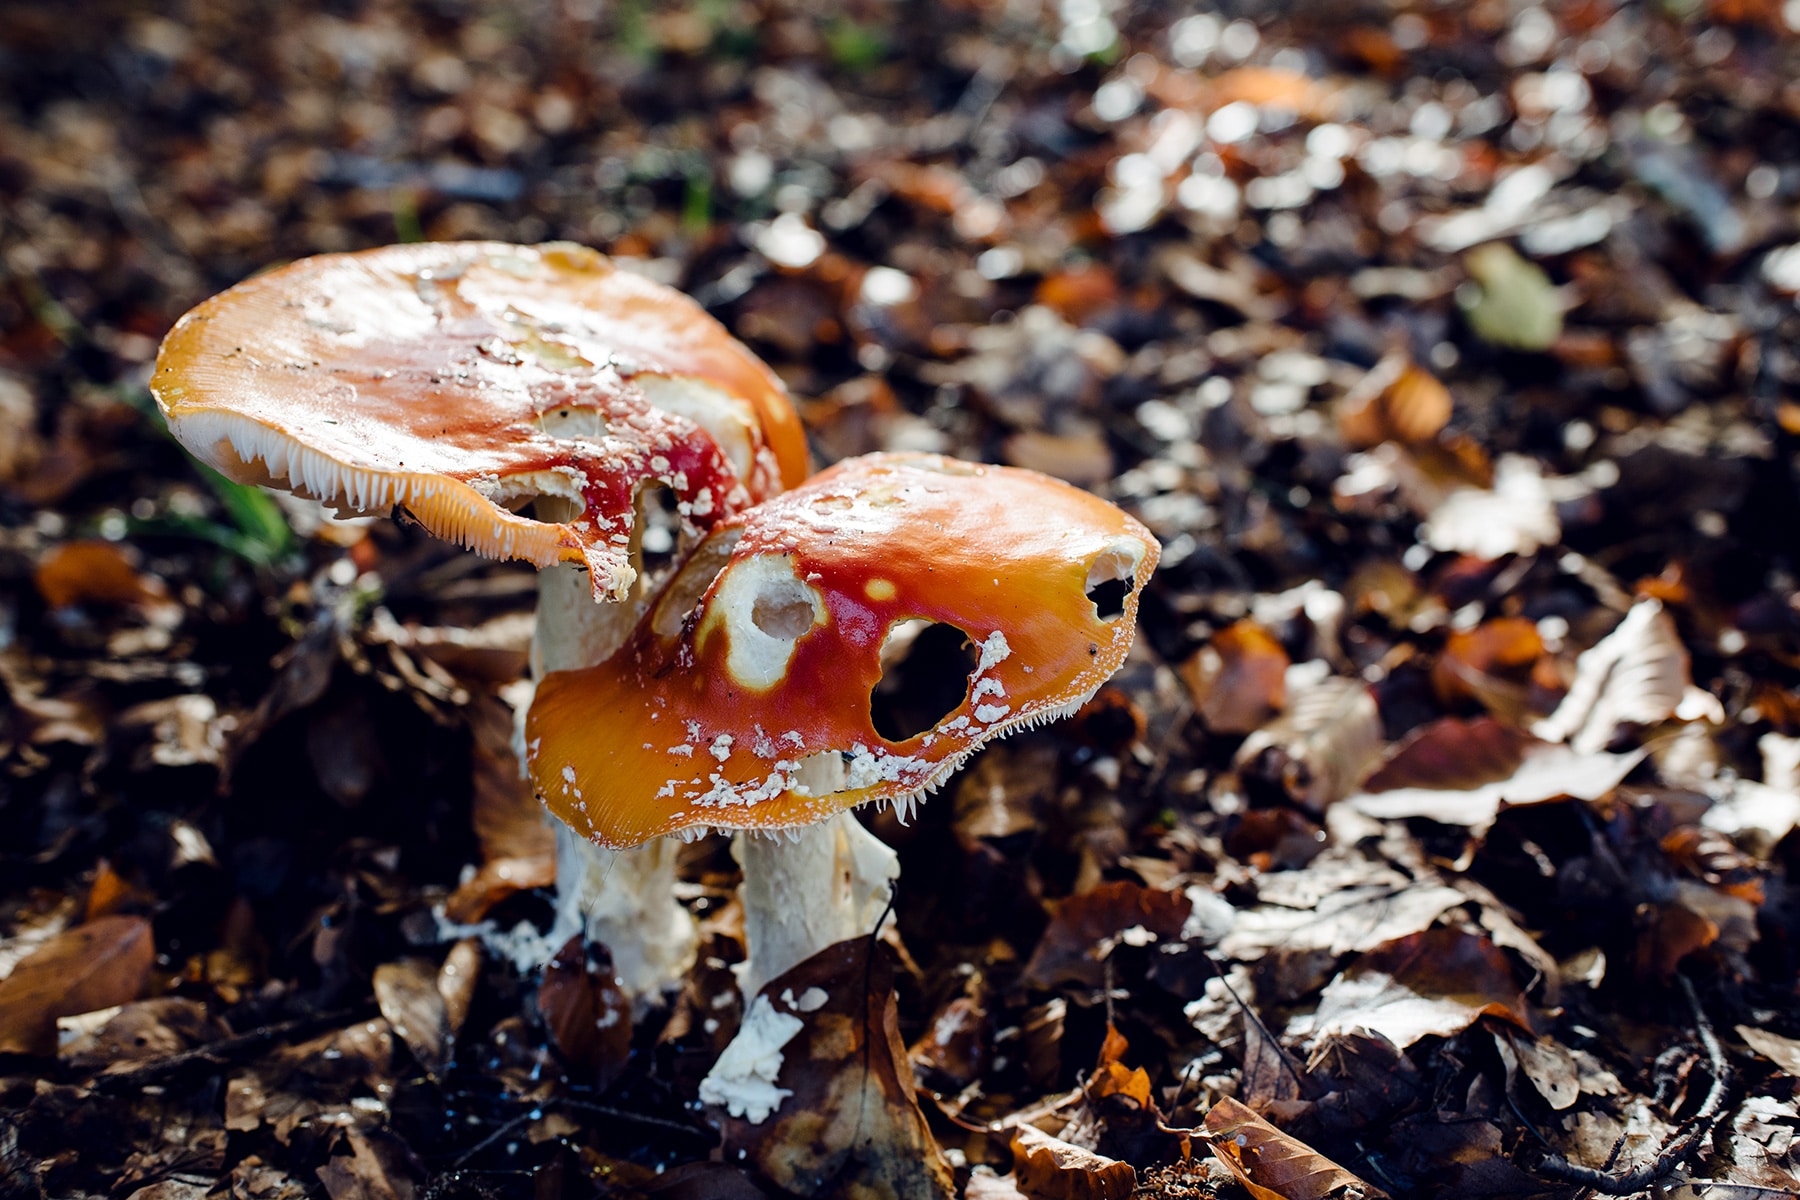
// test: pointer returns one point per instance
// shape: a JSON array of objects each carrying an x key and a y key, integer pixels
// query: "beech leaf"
[
  {"x": 1273, "y": 1165},
  {"x": 97, "y": 965},
  {"x": 1052, "y": 1169}
]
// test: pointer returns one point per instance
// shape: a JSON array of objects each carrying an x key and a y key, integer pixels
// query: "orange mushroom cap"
[
  {"x": 458, "y": 380},
  {"x": 708, "y": 715}
]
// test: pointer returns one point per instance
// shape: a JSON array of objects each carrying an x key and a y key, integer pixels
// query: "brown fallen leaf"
[
  {"x": 92, "y": 966},
  {"x": 1397, "y": 401},
  {"x": 588, "y": 1014},
  {"x": 1319, "y": 749},
  {"x": 848, "y": 1121},
  {"x": 1238, "y": 678},
  {"x": 409, "y": 998},
  {"x": 1635, "y": 675},
  {"x": 1051, "y": 1169},
  {"x": 1435, "y": 983},
  {"x": 94, "y": 572},
  {"x": 1086, "y": 927},
  {"x": 379, "y": 1167},
  {"x": 1273, "y": 1165},
  {"x": 1783, "y": 1052},
  {"x": 1458, "y": 772}
]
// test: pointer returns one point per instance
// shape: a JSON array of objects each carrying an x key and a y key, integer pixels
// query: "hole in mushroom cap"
[
  {"x": 1111, "y": 577},
  {"x": 763, "y": 609},
  {"x": 657, "y": 533},
  {"x": 925, "y": 670}
]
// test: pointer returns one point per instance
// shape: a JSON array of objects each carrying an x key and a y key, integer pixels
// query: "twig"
[
  {"x": 1679, "y": 1144},
  {"x": 221, "y": 1052}
]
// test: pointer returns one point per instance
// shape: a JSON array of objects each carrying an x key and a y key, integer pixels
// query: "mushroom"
[
  {"x": 464, "y": 382},
  {"x": 743, "y": 699}
]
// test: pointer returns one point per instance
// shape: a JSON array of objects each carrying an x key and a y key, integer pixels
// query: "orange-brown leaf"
[
  {"x": 1052, "y": 1169},
  {"x": 1238, "y": 678},
  {"x": 92, "y": 966},
  {"x": 1273, "y": 1165}
]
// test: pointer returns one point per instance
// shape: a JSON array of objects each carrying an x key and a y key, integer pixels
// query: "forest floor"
[{"x": 1440, "y": 826}]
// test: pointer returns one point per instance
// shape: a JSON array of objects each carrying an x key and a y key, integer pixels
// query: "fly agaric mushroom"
[
  {"x": 743, "y": 699},
  {"x": 463, "y": 382}
]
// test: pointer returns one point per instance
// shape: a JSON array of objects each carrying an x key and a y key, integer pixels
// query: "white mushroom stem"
[
  {"x": 624, "y": 899},
  {"x": 803, "y": 893}
]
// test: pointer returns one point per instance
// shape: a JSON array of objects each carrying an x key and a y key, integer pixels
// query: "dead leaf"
[
  {"x": 1080, "y": 456},
  {"x": 1238, "y": 678},
  {"x": 1399, "y": 401},
  {"x": 1783, "y": 1052},
  {"x": 1435, "y": 983},
  {"x": 409, "y": 998},
  {"x": 1516, "y": 515},
  {"x": 1087, "y": 927},
  {"x": 97, "y": 965},
  {"x": 852, "y": 1124},
  {"x": 1052, "y": 1169},
  {"x": 1635, "y": 675},
  {"x": 1273, "y": 1165},
  {"x": 588, "y": 1014},
  {"x": 1317, "y": 750},
  {"x": 1489, "y": 663},
  {"x": 456, "y": 981},
  {"x": 1545, "y": 1063},
  {"x": 378, "y": 1167},
  {"x": 1464, "y": 773},
  {"x": 97, "y": 573}
]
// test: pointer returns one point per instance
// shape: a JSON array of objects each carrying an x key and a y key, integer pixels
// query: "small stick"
[{"x": 1679, "y": 1144}]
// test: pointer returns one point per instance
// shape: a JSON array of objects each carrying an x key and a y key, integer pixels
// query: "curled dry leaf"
[
  {"x": 1464, "y": 773},
  {"x": 1435, "y": 983},
  {"x": 1635, "y": 675},
  {"x": 408, "y": 994},
  {"x": 1273, "y": 1165},
  {"x": 1087, "y": 927},
  {"x": 97, "y": 965},
  {"x": 850, "y": 1123},
  {"x": 1238, "y": 678},
  {"x": 1320, "y": 748},
  {"x": 1051, "y": 1169}
]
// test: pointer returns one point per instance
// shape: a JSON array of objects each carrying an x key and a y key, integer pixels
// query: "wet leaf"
[
  {"x": 92, "y": 966},
  {"x": 588, "y": 1014},
  {"x": 1273, "y": 1165},
  {"x": 1049, "y": 1168}
]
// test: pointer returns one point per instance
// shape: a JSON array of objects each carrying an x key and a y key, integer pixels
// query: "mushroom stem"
[
  {"x": 806, "y": 890},
  {"x": 624, "y": 899}
]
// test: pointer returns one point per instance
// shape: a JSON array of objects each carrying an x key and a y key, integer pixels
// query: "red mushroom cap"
[
  {"x": 458, "y": 380},
  {"x": 707, "y": 717}
]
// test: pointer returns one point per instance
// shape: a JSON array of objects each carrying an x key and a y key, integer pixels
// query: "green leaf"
[{"x": 1513, "y": 304}]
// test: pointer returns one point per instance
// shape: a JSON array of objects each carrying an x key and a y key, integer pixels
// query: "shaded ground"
[{"x": 1438, "y": 346}]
